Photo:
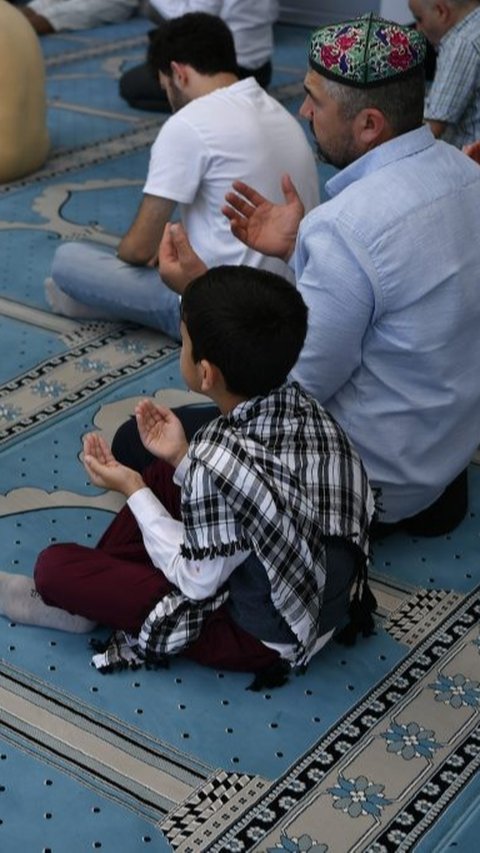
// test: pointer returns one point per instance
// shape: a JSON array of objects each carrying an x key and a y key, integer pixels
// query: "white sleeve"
[
  {"x": 162, "y": 537},
  {"x": 178, "y": 162},
  {"x": 83, "y": 14},
  {"x": 176, "y": 8}
]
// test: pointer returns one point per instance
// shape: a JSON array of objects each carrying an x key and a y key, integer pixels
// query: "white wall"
[{"x": 319, "y": 12}]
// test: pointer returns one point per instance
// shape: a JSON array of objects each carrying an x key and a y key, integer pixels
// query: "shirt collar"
[{"x": 395, "y": 149}]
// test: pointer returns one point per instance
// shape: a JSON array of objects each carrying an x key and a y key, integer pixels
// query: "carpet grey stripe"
[
  {"x": 98, "y": 749},
  {"x": 36, "y": 317},
  {"x": 79, "y": 108},
  {"x": 103, "y": 49}
]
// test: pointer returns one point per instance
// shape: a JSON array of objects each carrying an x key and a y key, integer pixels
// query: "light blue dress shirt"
[{"x": 390, "y": 270}]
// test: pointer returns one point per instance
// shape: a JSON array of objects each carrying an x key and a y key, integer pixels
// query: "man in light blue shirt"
[{"x": 389, "y": 268}]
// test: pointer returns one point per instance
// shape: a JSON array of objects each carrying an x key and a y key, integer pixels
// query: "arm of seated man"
[
  {"x": 139, "y": 246},
  {"x": 40, "y": 24},
  {"x": 437, "y": 127}
]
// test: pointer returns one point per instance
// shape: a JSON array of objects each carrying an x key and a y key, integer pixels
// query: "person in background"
[
  {"x": 222, "y": 128},
  {"x": 389, "y": 268},
  {"x": 24, "y": 139},
  {"x": 251, "y": 24},
  {"x": 246, "y": 558},
  {"x": 452, "y": 107},
  {"x": 54, "y": 16}
]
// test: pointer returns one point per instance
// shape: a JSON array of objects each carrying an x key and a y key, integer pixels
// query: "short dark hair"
[
  {"x": 401, "y": 101},
  {"x": 198, "y": 39},
  {"x": 249, "y": 323}
]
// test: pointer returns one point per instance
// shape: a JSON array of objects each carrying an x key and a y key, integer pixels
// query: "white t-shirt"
[
  {"x": 249, "y": 20},
  {"x": 236, "y": 132},
  {"x": 83, "y": 14}
]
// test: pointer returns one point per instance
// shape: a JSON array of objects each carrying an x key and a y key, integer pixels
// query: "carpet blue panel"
[
  {"x": 30, "y": 345},
  {"x": 70, "y": 129},
  {"x": 71, "y": 43},
  {"x": 78, "y": 85},
  {"x": 291, "y": 45},
  {"x": 42, "y": 809},
  {"x": 37, "y": 217},
  {"x": 443, "y": 562},
  {"x": 112, "y": 207}
]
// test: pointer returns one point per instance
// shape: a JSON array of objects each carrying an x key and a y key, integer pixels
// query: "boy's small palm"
[
  {"x": 161, "y": 432},
  {"x": 104, "y": 470}
]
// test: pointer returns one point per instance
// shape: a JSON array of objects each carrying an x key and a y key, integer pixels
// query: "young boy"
[{"x": 248, "y": 558}]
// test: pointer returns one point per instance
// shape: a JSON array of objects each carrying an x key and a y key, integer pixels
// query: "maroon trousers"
[{"x": 116, "y": 584}]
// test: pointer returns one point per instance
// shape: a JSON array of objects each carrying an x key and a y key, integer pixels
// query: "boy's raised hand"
[
  {"x": 161, "y": 432},
  {"x": 178, "y": 264},
  {"x": 266, "y": 227},
  {"x": 104, "y": 470}
]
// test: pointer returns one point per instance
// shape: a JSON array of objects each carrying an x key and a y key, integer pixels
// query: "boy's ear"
[{"x": 209, "y": 376}]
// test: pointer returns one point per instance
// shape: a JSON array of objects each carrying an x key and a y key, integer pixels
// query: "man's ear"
[
  {"x": 371, "y": 127},
  {"x": 179, "y": 73}
]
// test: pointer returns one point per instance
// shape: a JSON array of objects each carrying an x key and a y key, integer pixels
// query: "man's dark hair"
[
  {"x": 401, "y": 101},
  {"x": 197, "y": 39},
  {"x": 249, "y": 323}
]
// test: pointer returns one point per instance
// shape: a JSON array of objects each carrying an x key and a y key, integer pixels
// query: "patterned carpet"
[{"x": 374, "y": 748}]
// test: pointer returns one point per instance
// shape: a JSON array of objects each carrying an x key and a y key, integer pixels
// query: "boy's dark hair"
[
  {"x": 197, "y": 39},
  {"x": 249, "y": 323}
]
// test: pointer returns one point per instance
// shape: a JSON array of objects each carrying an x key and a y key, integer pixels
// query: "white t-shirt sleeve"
[
  {"x": 162, "y": 537},
  {"x": 175, "y": 8},
  {"x": 178, "y": 162}
]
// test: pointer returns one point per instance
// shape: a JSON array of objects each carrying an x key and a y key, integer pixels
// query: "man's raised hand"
[
  {"x": 161, "y": 432},
  {"x": 178, "y": 264},
  {"x": 263, "y": 226}
]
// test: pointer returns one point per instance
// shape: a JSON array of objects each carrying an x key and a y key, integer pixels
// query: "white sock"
[
  {"x": 62, "y": 303},
  {"x": 20, "y": 602}
]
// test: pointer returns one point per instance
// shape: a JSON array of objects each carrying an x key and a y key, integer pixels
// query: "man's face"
[
  {"x": 429, "y": 19},
  {"x": 333, "y": 132},
  {"x": 176, "y": 97}
]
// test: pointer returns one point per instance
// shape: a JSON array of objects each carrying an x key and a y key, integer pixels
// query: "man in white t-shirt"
[
  {"x": 222, "y": 129},
  {"x": 53, "y": 16},
  {"x": 251, "y": 25}
]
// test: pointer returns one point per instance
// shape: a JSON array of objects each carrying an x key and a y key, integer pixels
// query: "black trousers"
[
  {"x": 141, "y": 89},
  {"x": 440, "y": 518}
]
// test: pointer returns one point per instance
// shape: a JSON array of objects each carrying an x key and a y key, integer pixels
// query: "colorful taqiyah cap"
[{"x": 366, "y": 51}]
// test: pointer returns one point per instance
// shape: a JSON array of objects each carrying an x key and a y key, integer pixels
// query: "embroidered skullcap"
[{"x": 366, "y": 51}]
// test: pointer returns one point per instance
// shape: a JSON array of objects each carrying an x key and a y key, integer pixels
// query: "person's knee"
[
  {"x": 49, "y": 572},
  {"x": 68, "y": 256}
]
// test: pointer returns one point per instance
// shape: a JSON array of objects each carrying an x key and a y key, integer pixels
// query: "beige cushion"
[{"x": 24, "y": 139}]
